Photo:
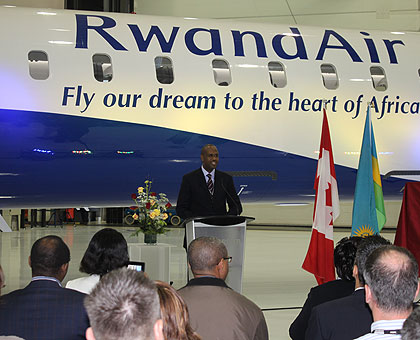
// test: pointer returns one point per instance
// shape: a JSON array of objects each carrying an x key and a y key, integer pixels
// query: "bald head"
[
  {"x": 206, "y": 147},
  {"x": 48, "y": 255},
  {"x": 204, "y": 253},
  {"x": 209, "y": 157},
  {"x": 392, "y": 276}
]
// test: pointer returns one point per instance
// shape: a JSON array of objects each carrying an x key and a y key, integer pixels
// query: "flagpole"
[
  {"x": 368, "y": 215},
  {"x": 319, "y": 258}
]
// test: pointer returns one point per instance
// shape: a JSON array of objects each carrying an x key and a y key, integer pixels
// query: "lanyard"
[{"x": 387, "y": 331}]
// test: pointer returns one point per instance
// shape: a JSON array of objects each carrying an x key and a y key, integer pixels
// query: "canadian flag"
[{"x": 320, "y": 256}]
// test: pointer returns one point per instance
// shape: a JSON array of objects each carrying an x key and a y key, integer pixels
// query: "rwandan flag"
[{"x": 368, "y": 206}]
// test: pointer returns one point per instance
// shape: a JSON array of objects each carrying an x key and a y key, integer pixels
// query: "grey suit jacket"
[{"x": 219, "y": 313}]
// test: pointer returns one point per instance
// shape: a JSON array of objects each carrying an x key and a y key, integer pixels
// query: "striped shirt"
[
  {"x": 205, "y": 173},
  {"x": 378, "y": 328}
]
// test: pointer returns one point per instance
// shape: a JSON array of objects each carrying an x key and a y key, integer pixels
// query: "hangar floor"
[{"x": 273, "y": 277}]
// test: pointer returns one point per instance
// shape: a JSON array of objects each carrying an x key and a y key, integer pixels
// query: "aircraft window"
[
  {"x": 378, "y": 78},
  {"x": 164, "y": 70},
  {"x": 277, "y": 74},
  {"x": 221, "y": 72},
  {"x": 102, "y": 67},
  {"x": 329, "y": 76},
  {"x": 38, "y": 65}
]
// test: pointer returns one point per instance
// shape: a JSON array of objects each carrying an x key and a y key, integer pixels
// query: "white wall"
[{"x": 270, "y": 214}]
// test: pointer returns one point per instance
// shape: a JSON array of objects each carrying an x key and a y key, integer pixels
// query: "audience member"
[
  {"x": 2, "y": 284},
  {"x": 391, "y": 276},
  {"x": 44, "y": 309},
  {"x": 216, "y": 311},
  {"x": 344, "y": 255},
  {"x": 124, "y": 305},
  {"x": 174, "y": 313},
  {"x": 107, "y": 250},
  {"x": 348, "y": 317},
  {"x": 411, "y": 326}
]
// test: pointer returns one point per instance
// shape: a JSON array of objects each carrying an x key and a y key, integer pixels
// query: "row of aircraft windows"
[{"x": 102, "y": 71}]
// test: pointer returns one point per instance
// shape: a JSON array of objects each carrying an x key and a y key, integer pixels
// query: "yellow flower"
[
  {"x": 140, "y": 189},
  {"x": 157, "y": 212},
  {"x": 165, "y": 216},
  {"x": 135, "y": 216},
  {"x": 152, "y": 215}
]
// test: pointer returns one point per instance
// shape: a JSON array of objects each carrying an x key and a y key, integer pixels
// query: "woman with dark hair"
[
  {"x": 107, "y": 250},
  {"x": 174, "y": 313}
]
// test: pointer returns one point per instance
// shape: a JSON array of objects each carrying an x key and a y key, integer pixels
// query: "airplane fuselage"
[{"x": 93, "y": 104}]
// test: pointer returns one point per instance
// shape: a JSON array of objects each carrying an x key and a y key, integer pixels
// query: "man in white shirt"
[{"x": 391, "y": 276}]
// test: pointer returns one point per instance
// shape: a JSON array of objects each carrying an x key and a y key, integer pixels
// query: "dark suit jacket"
[
  {"x": 343, "y": 319},
  {"x": 43, "y": 310},
  {"x": 323, "y": 293},
  {"x": 195, "y": 200}
]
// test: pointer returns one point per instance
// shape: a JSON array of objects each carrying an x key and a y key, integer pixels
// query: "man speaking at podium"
[{"x": 205, "y": 191}]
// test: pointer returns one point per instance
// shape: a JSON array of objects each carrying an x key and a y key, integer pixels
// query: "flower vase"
[{"x": 150, "y": 238}]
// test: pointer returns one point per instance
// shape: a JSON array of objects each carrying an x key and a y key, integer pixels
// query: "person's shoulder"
[
  {"x": 75, "y": 282},
  {"x": 182, "y": 289},
  {"x": 242, "y": 300},
  {"x": 196, "y": 289},
  {"x": 336, "y": 305},
  {"x": 331, "y": 290},
  {"x": 193, "y": 173},
  {"x": 72, "y": 292},
  {"x": 335, "y": 284},
  {"x": 67, "y": 294},
  {"x": 10, "y": 296},
  {"x": 83, "y": 284}
]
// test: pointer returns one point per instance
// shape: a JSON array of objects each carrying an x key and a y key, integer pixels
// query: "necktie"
[{"x": 210, "y": 184}]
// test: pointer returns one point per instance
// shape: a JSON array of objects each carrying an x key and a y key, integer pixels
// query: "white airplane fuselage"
[{"x": 70, "y": 137}]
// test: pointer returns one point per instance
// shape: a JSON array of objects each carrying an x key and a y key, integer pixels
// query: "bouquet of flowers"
[{"x": 152, "y": 214}]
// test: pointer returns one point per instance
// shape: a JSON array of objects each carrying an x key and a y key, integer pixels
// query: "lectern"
[{"x": 229, "y": 229}]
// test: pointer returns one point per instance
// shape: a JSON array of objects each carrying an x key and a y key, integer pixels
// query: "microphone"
[{"x": 234, "y": 203}]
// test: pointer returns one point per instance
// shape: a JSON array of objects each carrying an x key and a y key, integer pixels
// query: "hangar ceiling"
[{"x": 390, "y": 15}]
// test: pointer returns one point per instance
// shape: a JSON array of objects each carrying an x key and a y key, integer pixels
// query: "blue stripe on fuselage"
[{"x": 52, "y": 160}]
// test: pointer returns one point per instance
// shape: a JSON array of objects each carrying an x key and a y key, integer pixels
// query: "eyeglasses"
[{"x": 229, "y": 259}]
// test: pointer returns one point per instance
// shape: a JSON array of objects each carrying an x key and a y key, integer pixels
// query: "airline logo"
[{"x": 331, "y": 40}]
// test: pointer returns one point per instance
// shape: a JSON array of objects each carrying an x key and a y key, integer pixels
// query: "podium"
[{"x": 231, "y": 230}]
